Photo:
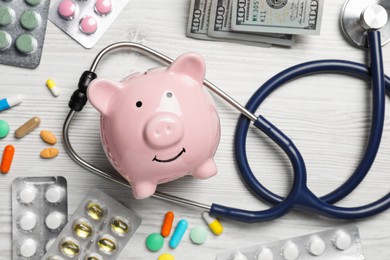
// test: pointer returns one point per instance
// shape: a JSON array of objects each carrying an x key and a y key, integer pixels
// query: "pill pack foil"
[
  {"x": 85, "y": 20},
  {"x": 39, "y": 212},
  {"x": 336, "y": 244},
  {"x": 22, "y": 31},
  {"x": 99, "y": 229}
]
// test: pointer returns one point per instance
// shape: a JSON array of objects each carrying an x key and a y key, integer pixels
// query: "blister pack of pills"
[
  {"x": 22, "y": 31},
  {"x": 99, "y": 229},
  {"x": 39, "y": 212},
  {"x": 336, "y": 244},
  {"x": 85, "y": 20}
]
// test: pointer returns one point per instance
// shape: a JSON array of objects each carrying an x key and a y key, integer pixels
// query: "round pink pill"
[
  {"x": 66, "y": 9},
  {"x": 103, "y": 7},
  {"x": 88, "y": 25}
]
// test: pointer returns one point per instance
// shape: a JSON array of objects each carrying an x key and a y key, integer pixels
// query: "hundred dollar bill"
[
  {"x": 219, "y": 26},
  {"x": 198, "y": 23},
  {"x": 277, "y": 16}
]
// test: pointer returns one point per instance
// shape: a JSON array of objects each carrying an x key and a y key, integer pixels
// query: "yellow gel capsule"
[
  {"x": 95, "y": 211},
  {"x": 82, "y": 229},
  {"x": 52, "y": 86},
  {"x": 93, "y": 257},
  {"x": 70, "y": 248},
  {"x": 119, "y": 226},
  {"x": 107, "y": 245},
  {"x": 213, "y": 223},
  {"x": 166, "y": 257}
]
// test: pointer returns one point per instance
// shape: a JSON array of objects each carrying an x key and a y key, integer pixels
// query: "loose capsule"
[
  {"x": 167, "y": 225},
  {"x": 178, "y": 234},
  {"x": 8, "y": 155},
  {"x": 27, "y": 127},
  {"x": 213, "y": 223},
  {"x": 119, "y": 226},
  {"x": 70, "y": 247},
  {"x": 53, "y": 87},
  {"x": 95, "y": 211},
  {"x": 107, "y": 244},
  {"x": 82, "y": 229}
]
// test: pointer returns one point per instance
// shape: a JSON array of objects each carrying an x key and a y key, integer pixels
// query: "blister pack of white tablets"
[
  {"x": 99, "y": 229},
  {"x": 336, "y": 244},
  {"x": 85, "y": 20},
  {"x": 22, "y": 31},
  {"x": 39, "y": 212}
]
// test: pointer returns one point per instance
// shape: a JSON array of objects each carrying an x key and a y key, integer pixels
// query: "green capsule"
[
  {"x": 95, "y": 211},
  {"x": 70, "y": 247},
  {"x": 82, "y": 229},
  {"x": 107, "y": 245},
  {"x": 119, "y": 226}
]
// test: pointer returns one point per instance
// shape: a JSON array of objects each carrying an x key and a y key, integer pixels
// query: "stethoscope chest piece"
[{"x": 359, "y": 16}]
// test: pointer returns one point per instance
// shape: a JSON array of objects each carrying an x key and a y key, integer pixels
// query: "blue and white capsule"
[
  {"x": 178, "y": 234},
  {"x": 7, "y": 103}
]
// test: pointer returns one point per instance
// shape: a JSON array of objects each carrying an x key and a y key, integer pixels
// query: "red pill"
[
  {"x": 167, "y": 225},
  {"x": 8, "y": 155}
]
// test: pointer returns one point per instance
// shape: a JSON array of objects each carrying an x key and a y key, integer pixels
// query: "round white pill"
[
  {"x": 27, "y": 195},
  {"x": 316, "y": 246},
  {"x": 54, "y": 220},
  {"x": 342, "y": 240},
  {"x": 54, "y": 194},
  {"x": 290, "y": 251},
  {"x": 239, "y": 256},
  {"x": 49, "y": 244},
  {"x": 28, "y": 221},
  {"x": 265, "y": 254},
  {"x": 28, "y": 248}
]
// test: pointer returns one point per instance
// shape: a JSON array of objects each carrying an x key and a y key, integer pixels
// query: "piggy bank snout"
[{"x": 163, "y": 130}]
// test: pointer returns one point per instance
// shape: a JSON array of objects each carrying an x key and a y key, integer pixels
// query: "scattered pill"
[
  {"x": 54, "y": 220},
  {"x": 54, "y": 194},
  {"x": 4, "y": 129},
  {"x": 154, "y": 242},
  {"x": 8, "y": 155},
  {"x": 342, "y": 241},
  {"x": 7, "y": 103},
  {"x": 88, "y": 25},
  {"x": 213, "y": 223},
  {"x": 48, "y": 137},
  {"x": 28, "y": 248},
  {"x": 49, "y": 153},
  {"x": 167, "y": 224},
  {"x": 27, "y": 127},
  {"x": 239, "y": 256},
  {"x": 67, "y": 9},
  {"x": 198, "y": 235},
  {"x": 290, "y": 251},
  {"x": 28, "y": 195},
  {"x": 265, "y": 254},
  {"x": 28, "y": 222},
  {"x": 178, "y": 234},
  {"x": 316, "y": 246},
  {"x": 166, "y": 257},
  {"x": 52, "y": 87},
  {"x": 103, "y": 7}
]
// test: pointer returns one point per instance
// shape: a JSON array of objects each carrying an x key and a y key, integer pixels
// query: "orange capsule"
[
  {"x": 167, "y": 225},
  {"x": 8, "y": 155}
]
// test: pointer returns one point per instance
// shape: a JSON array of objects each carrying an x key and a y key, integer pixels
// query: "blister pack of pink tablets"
[
  {"x": 336, "y": 244},
  {"x": 85, "y": 20},
  {"x": 39, "y": 212}
]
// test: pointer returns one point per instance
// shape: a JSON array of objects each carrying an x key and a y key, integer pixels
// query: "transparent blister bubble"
[
  {"x": 336, "y": 244},
  {"x": 36, "y": 222},
  {"x": 99, "y": 229}
]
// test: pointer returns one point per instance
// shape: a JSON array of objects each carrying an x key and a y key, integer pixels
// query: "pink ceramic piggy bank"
[{"x": 160, "y": 125}]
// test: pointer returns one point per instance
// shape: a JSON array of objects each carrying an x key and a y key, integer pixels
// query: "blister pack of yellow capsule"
[
  {"x": 336, "y": 244},
  {"x": 39, "y": 212},
  {"x": 99, "y": 229}
]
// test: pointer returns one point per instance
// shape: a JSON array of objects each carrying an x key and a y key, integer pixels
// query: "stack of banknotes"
[{"x": 255, "y": 22}]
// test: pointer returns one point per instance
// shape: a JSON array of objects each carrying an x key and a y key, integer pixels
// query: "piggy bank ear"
[
  {"x": 100, "y": 93},
  {"x": 190, "y": 64}
]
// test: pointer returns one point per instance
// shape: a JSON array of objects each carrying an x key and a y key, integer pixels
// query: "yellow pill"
[
  {"x": 166, "y": 257},
  {"x": 119, "y": 226},
  {"x": 95, "y": 211},
  {"x": 70, "y": 247},
  {"x": 49, "y": 153},
  {"x": 107, "y": 244},
  {"x": 48, "y": 137},
  {"x": 213, "y": 223},
  {"x": 53, "y": 87},
  {"x": 27, "y": 127},
  {"x": 82, "y": 229}
]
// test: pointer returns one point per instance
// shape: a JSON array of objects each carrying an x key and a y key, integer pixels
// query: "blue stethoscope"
[{"x": 365, "y": 24}]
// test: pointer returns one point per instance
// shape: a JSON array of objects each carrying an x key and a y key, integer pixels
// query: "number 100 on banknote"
[{"x": 277, "y": 16}]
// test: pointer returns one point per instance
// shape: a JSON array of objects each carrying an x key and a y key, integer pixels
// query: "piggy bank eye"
[
  {"x": 138, "y": 104},
  {"x": 169, "y": 94}
]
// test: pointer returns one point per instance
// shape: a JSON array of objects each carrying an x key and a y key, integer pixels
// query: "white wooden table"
[{"x": 327, "y": 116}]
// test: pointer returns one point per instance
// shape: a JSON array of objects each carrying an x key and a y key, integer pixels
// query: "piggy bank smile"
[{"x": 170, "y": 159}]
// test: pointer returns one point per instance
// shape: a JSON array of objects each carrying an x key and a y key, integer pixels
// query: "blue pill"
[{"x": 178, "y": 234}]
